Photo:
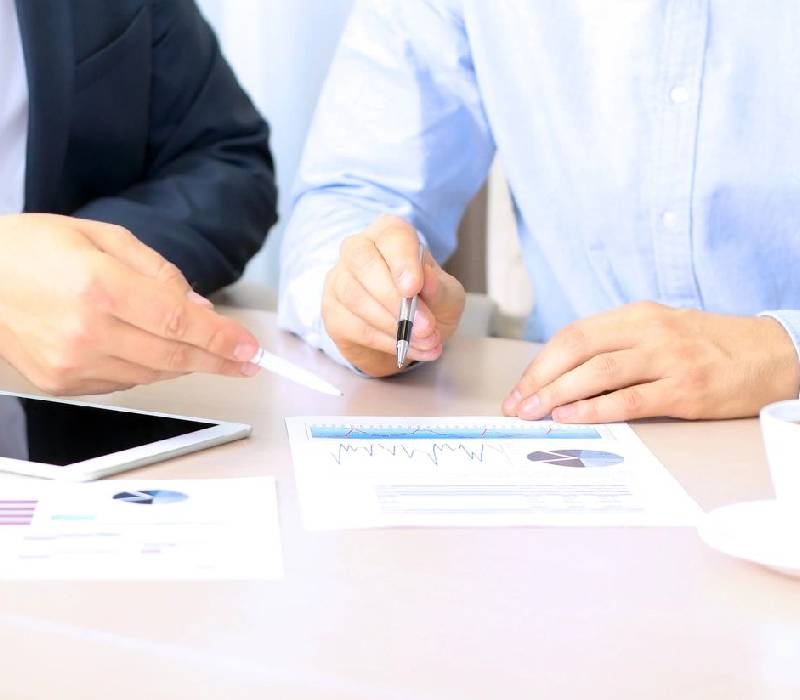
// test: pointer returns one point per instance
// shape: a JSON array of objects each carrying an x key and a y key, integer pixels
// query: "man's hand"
[
  {"x": 645, "y": 360},
  {"x": 86, "y": 308},
  {"x": 377, "y": 268}
]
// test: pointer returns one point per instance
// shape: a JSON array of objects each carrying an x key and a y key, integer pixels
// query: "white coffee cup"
[{"x": 780, "y": 426}]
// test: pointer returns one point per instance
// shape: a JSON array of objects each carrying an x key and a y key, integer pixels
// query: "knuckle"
[
  {"x": 169, "y": 273},
  {"x": 217, "y": 342},
  {"x": 605, "y": 366},
  {"x": 632, "y": 402},
  {"x": 349, "y": 292},
  {"x": 572, "y": 339},
  {"x": 177, "y": 358},
  {"x": 176, "y": 322},
  {"x": 77, "y": 338},
  {"x": 91, "y": 291},
  {"x": 361, "y": 255},
  {"x": 645, "y": 309},
  {"x": 663, "y": 326}
]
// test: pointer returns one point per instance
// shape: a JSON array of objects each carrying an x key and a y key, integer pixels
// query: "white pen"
[
  {"x": 293, "y": 372},
  {"x": 405, "y": 322}
]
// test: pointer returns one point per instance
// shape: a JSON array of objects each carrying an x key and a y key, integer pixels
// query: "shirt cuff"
[{"x": 790, "y": 320}]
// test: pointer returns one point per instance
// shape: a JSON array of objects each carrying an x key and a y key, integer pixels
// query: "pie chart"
[
  {"x": 150, "y": 498},
  {"x": 576, "y": 458}
]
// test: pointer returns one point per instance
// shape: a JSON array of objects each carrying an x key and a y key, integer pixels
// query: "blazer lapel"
[{"x": 46, "y": 29}]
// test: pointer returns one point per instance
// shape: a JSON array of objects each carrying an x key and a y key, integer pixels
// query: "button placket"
[{"x": 675, "y": 152}]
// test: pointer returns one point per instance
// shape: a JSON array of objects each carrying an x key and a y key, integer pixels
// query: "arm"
[
  {"x": 208, "y": 197},
  {"x": 399, "y": 130}
]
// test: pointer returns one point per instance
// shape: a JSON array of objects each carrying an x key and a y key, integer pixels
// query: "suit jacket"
[{"x": 136, "y": 119}]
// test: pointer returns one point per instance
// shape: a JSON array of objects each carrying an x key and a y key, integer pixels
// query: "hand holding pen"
[{"x": 378, "y": 269}]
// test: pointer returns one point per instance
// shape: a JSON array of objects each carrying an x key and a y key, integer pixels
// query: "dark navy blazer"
[{"x": 136, "y": 119}]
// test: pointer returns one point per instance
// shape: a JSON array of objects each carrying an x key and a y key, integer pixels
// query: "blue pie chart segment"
[
  {"x": 576, "y": 458},
  {"x": 150, "y": 498}
]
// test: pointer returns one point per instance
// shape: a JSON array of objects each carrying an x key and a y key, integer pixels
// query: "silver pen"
[{"x": 405, "y": 322}]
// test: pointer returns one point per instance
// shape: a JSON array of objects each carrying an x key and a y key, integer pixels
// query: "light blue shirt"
[{"x": 652, "y": 148}]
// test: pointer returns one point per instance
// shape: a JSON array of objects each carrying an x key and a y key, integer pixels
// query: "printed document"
[
  {"x": 139, "y": 530},
  {"x": 379, "y": 472}
]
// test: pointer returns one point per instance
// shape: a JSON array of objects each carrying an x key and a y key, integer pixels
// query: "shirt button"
[
  {"x": 679, "y": 95},
  {"x": 669, "y": 219}
]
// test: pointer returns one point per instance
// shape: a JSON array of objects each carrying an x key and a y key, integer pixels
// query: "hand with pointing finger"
[
  {"x": 377, "y": 268},
  {"x": 86, "y": 308},
  {"x": 645, "y": 360}
]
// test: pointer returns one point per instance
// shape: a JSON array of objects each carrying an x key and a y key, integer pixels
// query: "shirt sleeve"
[
  {"x": 790, "y": 320},
  {"x": 399, "y": 129}
]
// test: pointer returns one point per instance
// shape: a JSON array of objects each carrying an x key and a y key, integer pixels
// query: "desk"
[{"x": 494, "y": 614}]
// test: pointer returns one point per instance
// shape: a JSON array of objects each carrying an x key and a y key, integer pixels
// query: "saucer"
[{"x": 762, "y": 532}]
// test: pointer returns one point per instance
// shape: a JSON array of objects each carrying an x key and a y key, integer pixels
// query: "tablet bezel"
[{"x": 218, "y": 433}]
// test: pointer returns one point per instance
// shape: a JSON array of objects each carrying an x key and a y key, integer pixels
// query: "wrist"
[{"x": 781, "y": 341}]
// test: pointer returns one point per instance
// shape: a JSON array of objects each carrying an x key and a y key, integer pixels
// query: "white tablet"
[{"x": 73, "y": 441}]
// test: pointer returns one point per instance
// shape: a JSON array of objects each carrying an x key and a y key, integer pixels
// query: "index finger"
[
  {"x": 401, "y": 248},
  {"x": 570, "y": 347},
  {"x": 164, "y": 311}
]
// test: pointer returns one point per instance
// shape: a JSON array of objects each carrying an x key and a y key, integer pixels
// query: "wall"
[{"x": 281, "y": 50}]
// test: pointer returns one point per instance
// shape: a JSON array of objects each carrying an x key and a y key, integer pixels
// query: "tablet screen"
[{"x": 40, "y": 430}]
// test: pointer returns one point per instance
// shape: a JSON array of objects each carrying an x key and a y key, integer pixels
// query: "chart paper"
[
  {"x": 377, "y": 472},
  {"x": 217, "y": 529}
]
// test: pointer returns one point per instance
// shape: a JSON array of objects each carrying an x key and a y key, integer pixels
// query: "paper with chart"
[
  {"x": 218, "y": 529},
  {"x": 379, "y": 472}
]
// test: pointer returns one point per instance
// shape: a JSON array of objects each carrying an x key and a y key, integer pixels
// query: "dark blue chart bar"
[{"x": 388, "y": 432}]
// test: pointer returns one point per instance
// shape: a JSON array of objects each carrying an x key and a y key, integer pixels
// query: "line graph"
[
  {"x": 432, "y": 452},
  {"x": 377, "y": 432}
]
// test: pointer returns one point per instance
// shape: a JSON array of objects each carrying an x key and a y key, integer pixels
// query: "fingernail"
[
  {"x": 248, "y": 369},
  {"x": 563, "y": 413},
  {"x": 512, "y": 401},
  {"x": 245, "y": 352},
  {"x": 531, "y": 407},
  {"x": 199, "y": 299}
]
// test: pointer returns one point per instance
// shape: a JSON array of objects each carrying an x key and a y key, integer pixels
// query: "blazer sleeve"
[{"x": 208, "y": 196}]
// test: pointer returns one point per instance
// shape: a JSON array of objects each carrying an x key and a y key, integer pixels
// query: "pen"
[
  {"x": 291, "y": 371},
  {"x": 405, "y": 323}
]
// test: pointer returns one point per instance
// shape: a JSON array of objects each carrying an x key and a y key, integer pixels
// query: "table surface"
[{"x": 419, "y": 614}]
